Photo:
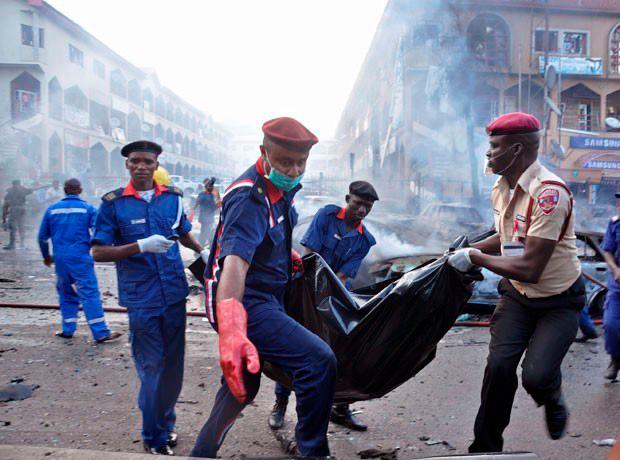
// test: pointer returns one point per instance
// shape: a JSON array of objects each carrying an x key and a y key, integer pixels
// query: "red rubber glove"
[
  {"x": 236, "y": 351},
  {"x": 191, "y": 216},
  {"x": 298, "y": 265}
]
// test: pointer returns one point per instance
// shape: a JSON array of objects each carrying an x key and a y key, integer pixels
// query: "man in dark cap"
[
  {"x": 542, "y": 291},
  {"x": 611, "y": 317},
  {"x": 207, "y": 202},
  {"x": 68, "y": 224},
  {"x": 342, "y": 240},
  {"x": 248, "y": 270},
  {"x": 137, "y": 227}
]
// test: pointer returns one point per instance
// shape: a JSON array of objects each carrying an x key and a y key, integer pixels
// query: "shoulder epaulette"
[
  {"x": 615, "y": 218},
  {"x": 174, "y": 189},
  {"x": 113, "y": 195}
]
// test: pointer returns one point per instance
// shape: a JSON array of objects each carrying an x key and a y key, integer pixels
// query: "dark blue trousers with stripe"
[{"x": 312, "y": 365}]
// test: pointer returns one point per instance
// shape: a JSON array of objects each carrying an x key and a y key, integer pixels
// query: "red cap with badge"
[
  {"x": 289, "y": 133},
  {"x": 513, "y": 123}
]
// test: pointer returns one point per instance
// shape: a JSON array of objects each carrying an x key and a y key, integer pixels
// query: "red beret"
[
  {"x": 513, "y": 123},
  {"x": 289, "y": 133}
]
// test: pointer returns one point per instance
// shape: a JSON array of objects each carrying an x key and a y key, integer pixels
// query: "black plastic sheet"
[{"x": 382, "y": 335}]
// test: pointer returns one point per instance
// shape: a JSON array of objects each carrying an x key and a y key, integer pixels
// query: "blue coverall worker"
[
  {"x": 207, "y": 203},
  {"x": 586, "y": 326},
  {"x": 247, "y": 273},
  {"x": 342, "y": 240},
  {"x": 611, "y": 315},
  {"x": 136, "y": 228},
  {"x": 69, "y": 223},
  {"x": 542, "y": 291}
]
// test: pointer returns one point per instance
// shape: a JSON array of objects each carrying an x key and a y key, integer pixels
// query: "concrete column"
[{"x": 603, "y": 111}]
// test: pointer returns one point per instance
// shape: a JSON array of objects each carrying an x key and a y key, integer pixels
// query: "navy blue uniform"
[
  {"x": 153, "y": 287},
  {"x": 611, "y": 316},
  {"x": 206, "y": 209},
  {"x": 256, "y": 224},
  {"x": 69, "y": 223}
]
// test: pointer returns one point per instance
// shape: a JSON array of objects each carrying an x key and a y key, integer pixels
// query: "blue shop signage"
[{"x": 596, "y": 143}]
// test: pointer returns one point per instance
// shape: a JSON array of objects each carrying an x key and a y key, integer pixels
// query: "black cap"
[
  {"x": 364, "y": 190},
  {"x": 141, "y": 146},
  {"x": 617, "y": 194}
]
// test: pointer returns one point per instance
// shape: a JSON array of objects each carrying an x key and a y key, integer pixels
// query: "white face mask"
[{"x": 486, "y": 169}]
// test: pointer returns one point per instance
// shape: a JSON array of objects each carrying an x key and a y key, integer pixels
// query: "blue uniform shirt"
[
  {"x": 611, "y": 243},
  {"x": 342, "y": 250},
  {"x": 145, "y": 280},
  {"x": 256, "y": 224},
  {"x": 68, "y": 223},
  {"x": 206, "y": 204}
]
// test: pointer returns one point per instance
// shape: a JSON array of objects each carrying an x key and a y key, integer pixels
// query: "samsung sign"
[
  {"x": 572, "y": 65},
  {"x": 597, "y": 143},
  {"x": 596, "y": 164}
]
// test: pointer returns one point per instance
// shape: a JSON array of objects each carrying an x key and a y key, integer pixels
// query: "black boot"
[
  {"x": 341, "y": 415},
  {"x": 556, "y": 415},
  {"x": 163, "y": 450},
  {"x": 585, "y": 337},
  {"x": 276, "y": 418},
  {"x": 614, "y": 367},
  {"x": 173, "y": 438}
]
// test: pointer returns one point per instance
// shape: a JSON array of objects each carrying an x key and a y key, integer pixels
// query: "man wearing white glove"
[
  {"x": 542, "y": 291},
  {"x": 137, "y": 227}
]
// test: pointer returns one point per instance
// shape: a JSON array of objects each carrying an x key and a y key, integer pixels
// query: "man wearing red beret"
[
  {"x": 248, "y": 270},
  {"x": 542, "y": 291}
]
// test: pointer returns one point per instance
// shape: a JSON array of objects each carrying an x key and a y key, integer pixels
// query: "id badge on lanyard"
[{"x": 514, "y": 248}]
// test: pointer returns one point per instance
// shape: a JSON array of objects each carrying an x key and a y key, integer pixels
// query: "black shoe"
[
  {"x": 173, "y": 438},
  {"x": 63, "y": 335},
  {"x": 585, "y": 337},
  {"x": 341, "y": 414},
  {"x": 110, "y": 337},
  {"x": 276, "y": 418},
  {"x": 163, "y": 450},
  {"x": 556, "y": 415},
  {"x": 8, "y": 247},
  {"x": 613, "y": 369}
]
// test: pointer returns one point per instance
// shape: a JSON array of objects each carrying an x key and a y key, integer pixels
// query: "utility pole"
[
  {"x": 547, "y": 113},
  {"x": 471, "y": 150}
]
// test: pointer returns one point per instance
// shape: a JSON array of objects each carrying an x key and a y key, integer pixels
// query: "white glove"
[
  {"x": 204, "y": 254},
  {"x": 461, "y": 259},
  {"x": 155, "y": 243}
]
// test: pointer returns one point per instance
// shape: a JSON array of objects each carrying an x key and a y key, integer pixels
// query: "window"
[
  {"x": 585, "y": 116},
  {"x": 488, "y": 41},
  {"x": 99, "y": 69},
  {"x": 614, "y": 50},
  {"x": 26, "y": 102},
  {"x": 565, "y": 42},
  {"x": 539, "y": 41},
  {"x": 27, "y": 35},
  {"x": 575, "y": 43},
  {"x": 76, "y": 56}
]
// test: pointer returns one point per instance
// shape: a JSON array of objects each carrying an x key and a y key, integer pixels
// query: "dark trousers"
[
  {"x": 544, "y": 333},
  {"x": 16, "y": 224},
  {"x": 158, "y": 346},
  {"x": 206, "y": 229},
  {"x": 284, "y": 342}
]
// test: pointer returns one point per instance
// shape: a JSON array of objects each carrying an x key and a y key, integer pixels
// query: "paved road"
[{"x": 87, "y": 394}]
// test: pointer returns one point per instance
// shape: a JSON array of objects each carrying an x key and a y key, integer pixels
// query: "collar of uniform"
[
  {"x": 341, "y": 214},
  {"x": 273, "y": 192},
  {"x": 72, "y": 197},
  {"x": 130, "y": 190},
  {"x": 528, "y": 176}
]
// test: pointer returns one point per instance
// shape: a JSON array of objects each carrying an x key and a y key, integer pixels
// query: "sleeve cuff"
[{"x": 236, "y": 247}]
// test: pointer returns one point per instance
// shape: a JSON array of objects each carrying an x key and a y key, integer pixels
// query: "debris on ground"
[
  {"x": 605, "y": 442},
  {"x": 386, "y": 453},
  {"x": 16, "y": 392}
]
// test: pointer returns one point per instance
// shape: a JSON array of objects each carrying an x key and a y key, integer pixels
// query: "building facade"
[
  {"x": 438, "y": 71},
  {"x": 68, "y": 103}
]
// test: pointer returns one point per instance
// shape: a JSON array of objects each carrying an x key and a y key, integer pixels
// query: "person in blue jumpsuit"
[
  {"x": 137, "y": 228},
  {"x": 207, "y": 202},
  {"x": 342, "y": 240},
  {"x": 611, "y": 315},
  {"x": 68, "y": 223},
  {"x": 248, "y": 270}
]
